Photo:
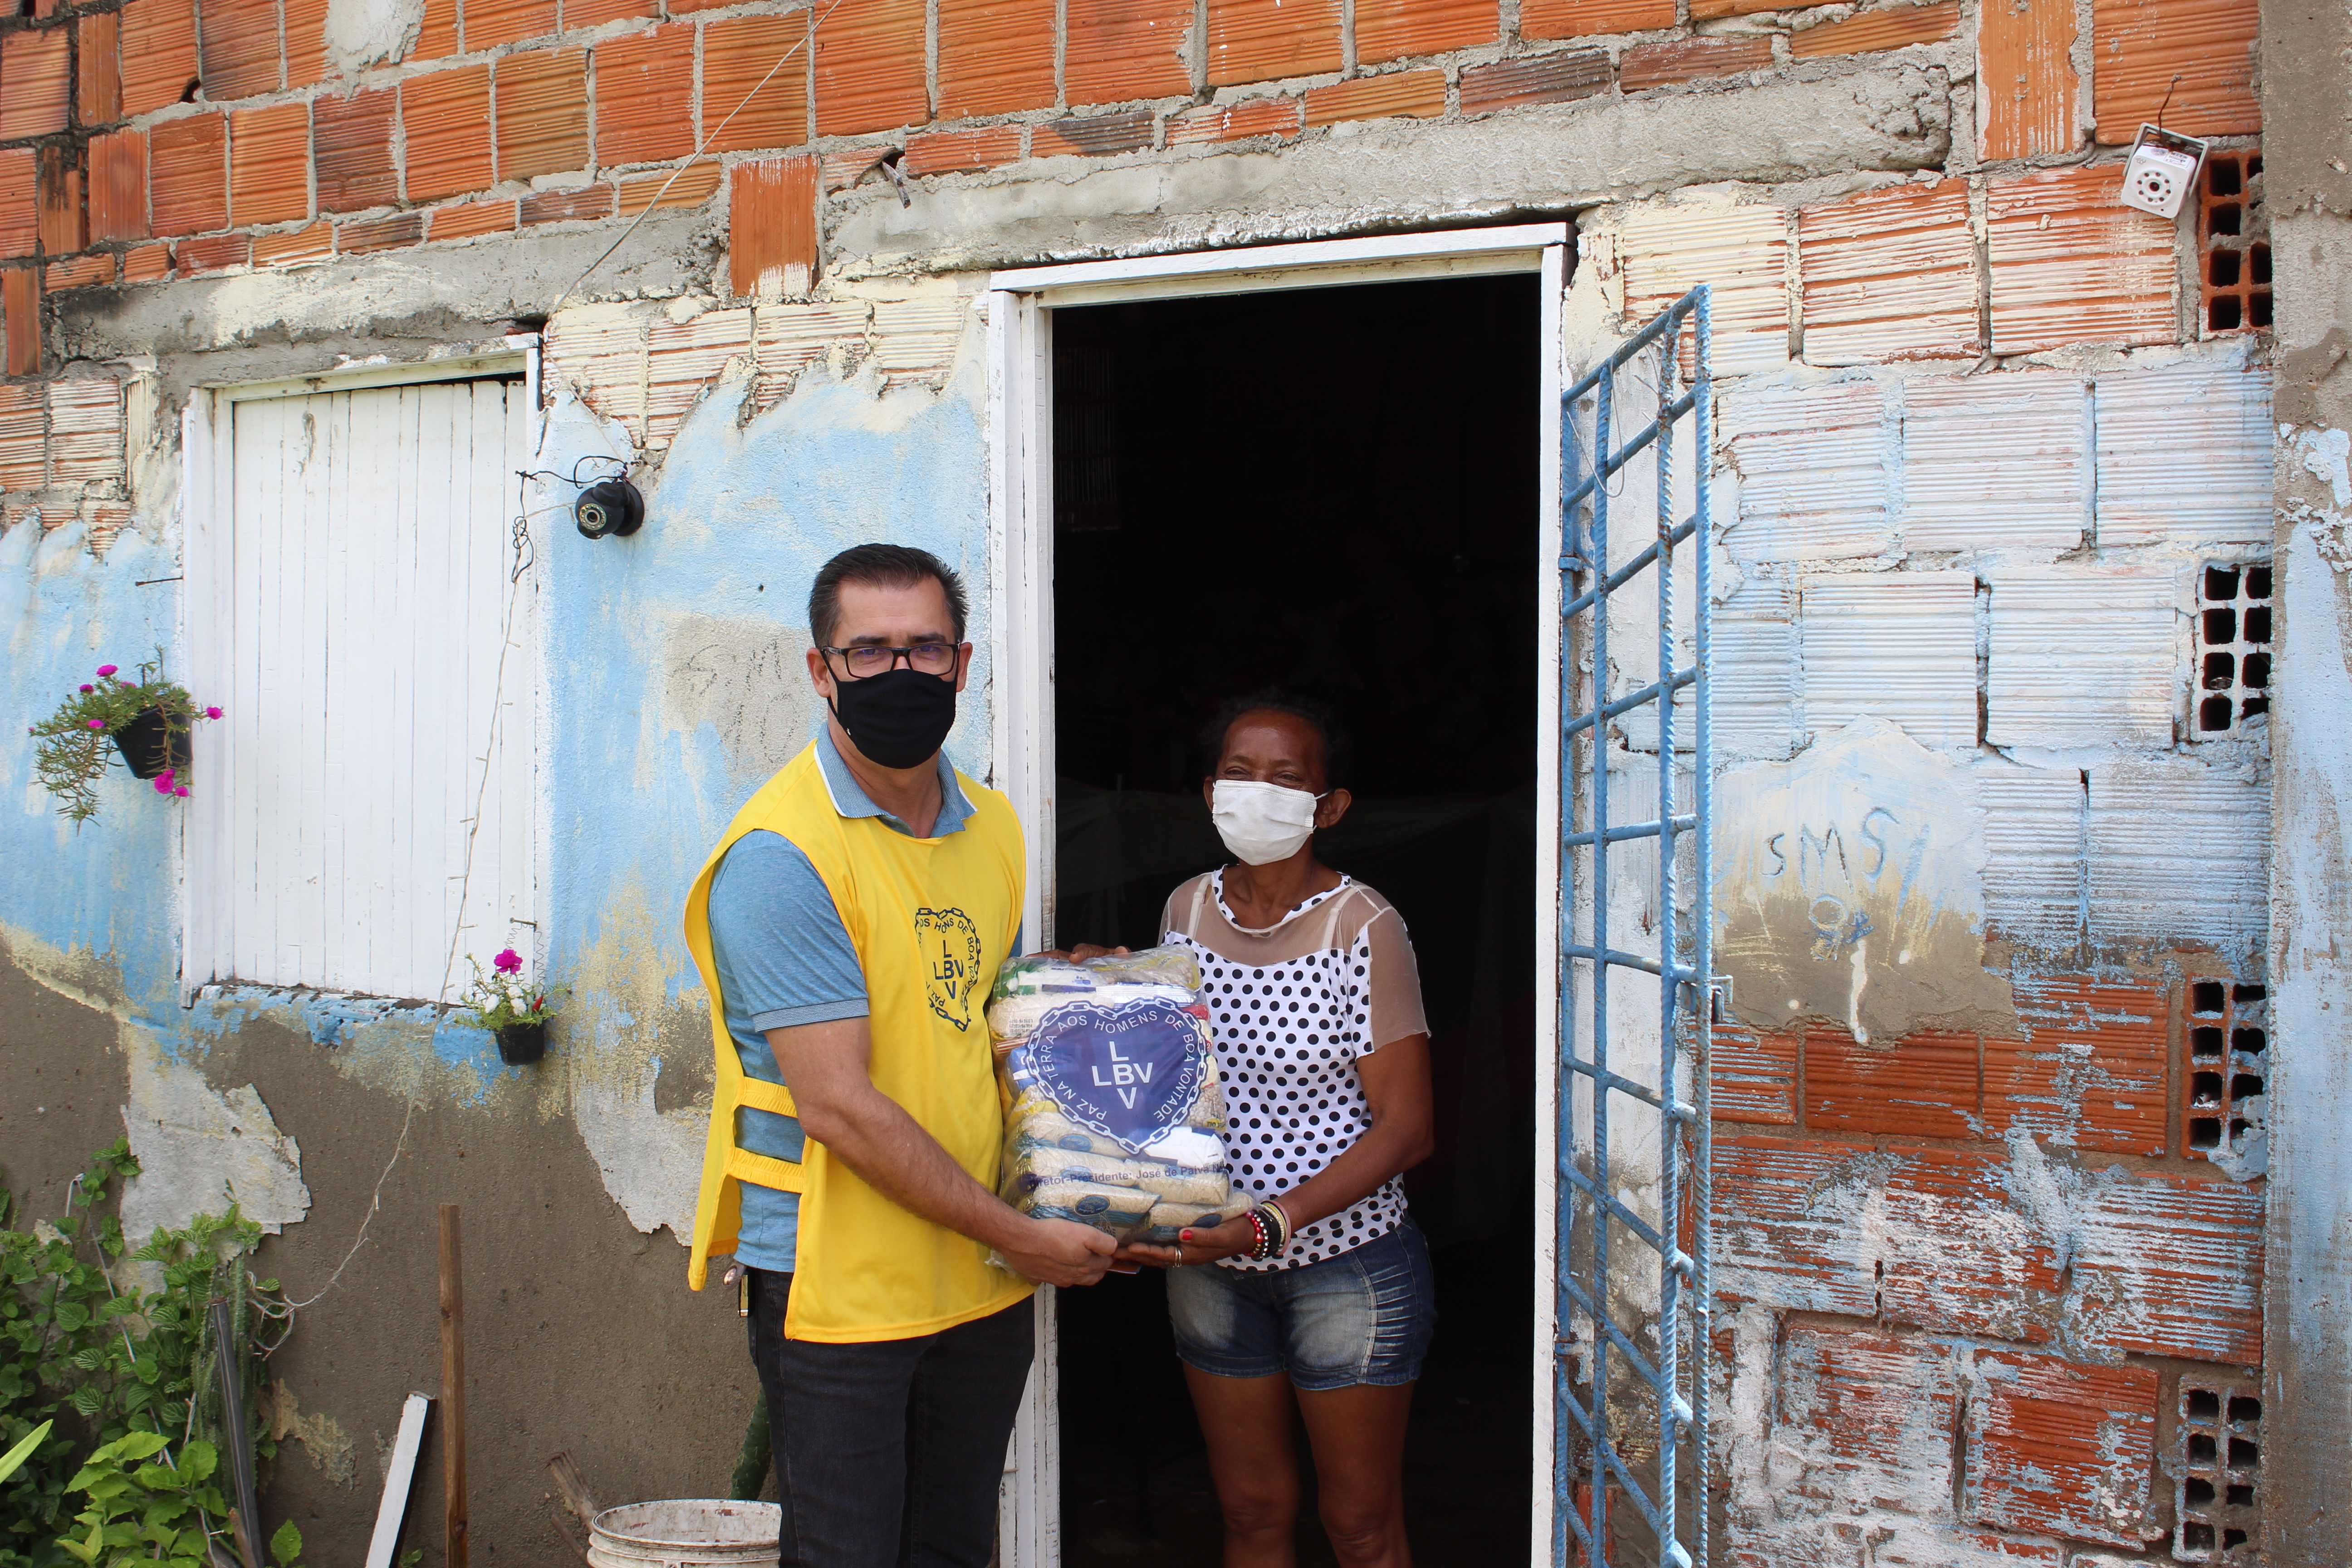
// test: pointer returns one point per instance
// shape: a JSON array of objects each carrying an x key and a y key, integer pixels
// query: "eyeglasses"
[{"x": 869, "y": 659}]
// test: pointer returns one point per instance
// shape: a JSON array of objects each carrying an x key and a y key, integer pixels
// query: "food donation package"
[{"x": 1115, "y": 1119}]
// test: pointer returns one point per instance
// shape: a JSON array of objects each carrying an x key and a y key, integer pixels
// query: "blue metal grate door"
[{"x": 1631, "y": 1287}]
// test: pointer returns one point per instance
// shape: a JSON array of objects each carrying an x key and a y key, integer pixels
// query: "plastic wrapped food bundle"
[{"x": 1116, "y": 1118}]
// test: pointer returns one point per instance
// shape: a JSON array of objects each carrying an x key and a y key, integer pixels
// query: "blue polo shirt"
[{"x": 784, "y": 958}]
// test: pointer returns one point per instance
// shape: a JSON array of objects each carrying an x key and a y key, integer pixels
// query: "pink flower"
[
  {"x": 507, "y": 962},
  {"x": 167, "y": 776},
  {"x": 163, "y": 785},
  {"x": 98, "y": 723},
  {"x": 182, "y": 791},
  {"x": 103, "y": 669},
  {"x": 86, "y": 686},
  {"x": 212, "y": 713}
]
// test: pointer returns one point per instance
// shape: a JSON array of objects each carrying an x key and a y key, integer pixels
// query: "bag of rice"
[{"x": 1116, "y": 1118}]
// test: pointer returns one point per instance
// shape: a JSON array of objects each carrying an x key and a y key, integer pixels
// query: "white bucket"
[{"x": 685, "y": 1532}]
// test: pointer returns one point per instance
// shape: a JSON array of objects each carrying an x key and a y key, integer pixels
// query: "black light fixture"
[{"x": 609, "y": 506}]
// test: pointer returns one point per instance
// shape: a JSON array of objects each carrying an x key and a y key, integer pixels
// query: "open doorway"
[{"x": 1335, "y": 490}]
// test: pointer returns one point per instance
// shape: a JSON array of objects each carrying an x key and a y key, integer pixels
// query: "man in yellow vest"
[{"x": 849, "y": 927}]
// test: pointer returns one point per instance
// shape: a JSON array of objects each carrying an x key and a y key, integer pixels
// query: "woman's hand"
[{"x": 1201, "y": 1245}]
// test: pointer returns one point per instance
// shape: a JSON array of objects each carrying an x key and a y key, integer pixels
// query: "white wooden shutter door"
[{"x": 382, "y": 687}]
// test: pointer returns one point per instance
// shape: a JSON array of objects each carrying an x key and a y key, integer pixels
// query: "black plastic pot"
[
  {"x": 520, "y": 1044},
  {"x": 149, "y": 744}
]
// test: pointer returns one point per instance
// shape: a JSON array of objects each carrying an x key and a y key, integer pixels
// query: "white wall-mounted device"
[{"x": 2162, "y": 171}]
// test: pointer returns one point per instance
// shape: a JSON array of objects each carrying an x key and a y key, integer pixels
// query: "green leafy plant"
[
  {"x": 16, "y": 1456},
  {"x": 500, "y": 998},
  {"x": 74, "y": 746},
  {"x": 146, "y": 1504}
]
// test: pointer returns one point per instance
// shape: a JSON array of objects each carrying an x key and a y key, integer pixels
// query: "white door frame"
[{"x": 1021, "y": 509}]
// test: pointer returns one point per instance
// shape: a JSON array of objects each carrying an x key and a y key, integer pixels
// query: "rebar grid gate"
[{"x": 1629, "y": 1373}]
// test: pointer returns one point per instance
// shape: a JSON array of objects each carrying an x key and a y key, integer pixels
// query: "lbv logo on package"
[{"x": 1129, "y": 1072}]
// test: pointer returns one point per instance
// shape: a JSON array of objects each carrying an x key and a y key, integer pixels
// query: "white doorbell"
[{"x": 2162, "y": 171}]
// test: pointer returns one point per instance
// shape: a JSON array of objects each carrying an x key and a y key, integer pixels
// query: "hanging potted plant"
[
  {"x": 146, "y": 721},
  {"x": 503, "y": 1002}
]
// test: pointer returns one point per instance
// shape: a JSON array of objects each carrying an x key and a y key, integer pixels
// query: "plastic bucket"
[{"x": 685, "y": 1532}]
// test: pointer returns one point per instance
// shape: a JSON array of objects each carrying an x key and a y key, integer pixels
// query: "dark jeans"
[{"x": 888, "y": 1454}]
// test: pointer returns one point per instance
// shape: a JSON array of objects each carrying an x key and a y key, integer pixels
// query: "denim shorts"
[{"x": 1365, "y": 1316}]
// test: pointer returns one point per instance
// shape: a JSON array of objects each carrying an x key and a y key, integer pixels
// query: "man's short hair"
[{"x": 879, "y": 567}]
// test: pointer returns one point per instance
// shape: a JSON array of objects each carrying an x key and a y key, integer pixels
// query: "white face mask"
[{"x": 1261, "y": 823}]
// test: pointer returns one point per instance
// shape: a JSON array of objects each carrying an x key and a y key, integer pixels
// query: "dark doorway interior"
[{"x": 1332, "y": 489}]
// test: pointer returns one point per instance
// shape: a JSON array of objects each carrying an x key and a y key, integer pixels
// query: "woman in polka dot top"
[{"x": 1322, "y": 1304}]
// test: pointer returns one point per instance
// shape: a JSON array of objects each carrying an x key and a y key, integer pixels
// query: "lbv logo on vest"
[
  {"x": 1127, "y": 1072},
  {"x": 950, "y": 948}
]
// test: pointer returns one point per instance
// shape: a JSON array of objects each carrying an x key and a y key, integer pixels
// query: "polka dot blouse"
[{"x": 1292, "y": 1007}]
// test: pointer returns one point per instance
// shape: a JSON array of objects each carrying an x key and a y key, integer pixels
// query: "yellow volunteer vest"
[{"x": 932, "y": 920}]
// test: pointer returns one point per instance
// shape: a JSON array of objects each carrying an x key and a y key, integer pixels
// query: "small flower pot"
[
  {"x": 520, "y": 1044},
  {"x": 149, "y": 744}
]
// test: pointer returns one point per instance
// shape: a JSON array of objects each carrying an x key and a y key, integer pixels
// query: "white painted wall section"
[
  {"x": 2178, "y": 854},
  {"x": 2033, "y": 852},
  {"x": 2184, "y": 454},
  {"x": 1996, "y": 462},
  {"x": 1900, "y": 646},
  {"x": 1814, "y": 472},
  {"x": 2084, "y": 657}
]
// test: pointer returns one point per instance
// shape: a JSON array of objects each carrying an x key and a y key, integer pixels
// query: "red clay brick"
[
  {"x": 491, "y": 23},
  {"x": 869, "y": 68},
  {"x": 436, "y": 37},
  {"x": 295, "y": 247},
  {"x": 1265, "y": 40},
  {"x": 2090, "y": 1073},
  {"x": 447, "y": 118},
  {"x": 1868, "y": 32},
  {"x": 20, "y": 302},
  {"x": 352, "y": 138},
  {"x": 1687, "y": 59},
  {"x": 962, "y": 152},
  {"x": 187, "y": 174},
  {"x": 1591, "y": 18},
  {"x": 736, "y": 56},
  {"x": 1392, "y": 29},
  {"x": 579, "y": 13},
  {"x": 306, "y": 42},
  {"x": 78, "y": 272},
  {"x": 1862, "y": 1395},
  {"x": 2186, "y": 1253},
  {"x": 1533, "y": 79},
  {"x": 996, "y": 56},
  {"x": 159, "y": 53},
  {"x": 1755, "y": 1077},
  {"x": 147, "y": 263},
  {"x": 212, "y": 253},
  {"x": 1420, "y": 94},
  {"x": 1119, "y": 50},
  {"x": 2138, "y": 46},
  {"x": 20, "y": 227},
  {"x": 581, "y": 203},
  {"x": 1784, "y": 1211},
  {"x": 692, "y": 186},
  {"x": 1926, "y": 1086},
  {"x": 2026, "y": 76},
  {"x": 473, "y": 218},
  {"x": 37, "y": 64},
  {"x": 64, "y": 226},
  {"x": 1099, "y": 137},
  {"x": 644, "y": 96},
  {"x": 387, "y": 233},
  {"x": 772, "y": 241},
  {"x": 2060, "y": 1449},
  {"x": 1958, "y": 1255},
  {"x": 2070, "y": 263},
  {"x": 542, "y": 101},
  {"x": 237, "y": 42},
  {"x": 24, "y": 438},
  {"x": 845, "y": 166},
  {"x": 1284, "y": 117},
  {"x": 99, "y": 93},
  {"x": 270, "y": 164}
]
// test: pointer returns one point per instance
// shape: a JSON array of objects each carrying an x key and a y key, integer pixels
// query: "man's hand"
[{"x": 1057, "y": 1251}]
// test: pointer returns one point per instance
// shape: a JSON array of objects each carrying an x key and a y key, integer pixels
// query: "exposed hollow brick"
[
  {"x": 1119, "y": 50},
  {"x": 1393, "y": 30},
  {"x": 790, "y": 338},
  {"x": 489, "y": 23},
  {"x": 1688, "y": 60},
  {"x": 2060, "y": 1449},
  {"x": 211, "y": 253},
  {"x": 688, "y": 187},
  {"x": 437, "y": 34},
  {"x": 1959, "y": 1254},
  {"x": 1588, "y": 18},
  {"x": 1556, "y": 78},
  {"x": 237, "y": 42},
  {"x": 20, "y": 305},
  {"x": 78, "y": 272},
  {"x": 352, "y": 142},
  {"x": 1890, "y": 274},
  {"x": 1284, "y": 117},
  {"x": 159, "y": 53},
  {"x": 23, "y": 435},
  {"x": 962, "y": 152},
  {"x": 846, "y": 167},
  {"x": 1266, "y": 40},
  {"x": 2026, "y": 81},
  {"x": 580, "y": 204},
  {"x": 147, "y": 263},
  {"x": 2138, "y": 48},
  {"x": 295, "y": 247},
  {"x": 599, "y": 351},
  {"x": 390, "y": 232},
  {"x": 684, "y": 362},
  {"x": 1867, "y": 32},
  {"x": 1754, "y": 1076},
  {"x": 85, "y": 432},
  {"x": 542, "y": 106},
  {"x": 1924, "y": 1087},
  {"x": 1096, "y": 138},
  {"x": 20, "y": 227},
  {"x": 2070, "y": 263},
  {"x": 2090, "y": 1072},
  {"x": 1417, "y": 94},
  {"x": 996, "y": 56},
  {"x": 578, "y": 14},
  {"x": 644, "y": 96},
  {"x": 736, "y": 57},
  {"x": 472, "y": 219},
  {"x": 306, "y": 42},
  {"x": 187, "y": 174},
  {"x": 99, "y": 90},
  {"x": 270, "y": 164},
  {"x": 63, "y": 225},
  {"x": 445, "y": 119},
  {"x": 870, "y": 71},
  {"x": 771, "y": 237},
  {"x": 37, "y": 64}
]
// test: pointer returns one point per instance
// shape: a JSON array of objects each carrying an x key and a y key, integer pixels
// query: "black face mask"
[{"x": 897, "y": 719}]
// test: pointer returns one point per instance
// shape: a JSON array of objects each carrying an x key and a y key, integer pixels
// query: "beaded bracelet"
[{"x": 1271, "y": 1226}]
